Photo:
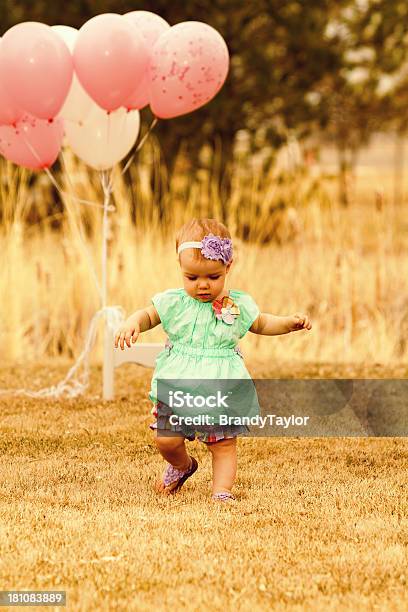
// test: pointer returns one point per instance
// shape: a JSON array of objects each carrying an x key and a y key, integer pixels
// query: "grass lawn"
[{"x": 319, "y": 524}]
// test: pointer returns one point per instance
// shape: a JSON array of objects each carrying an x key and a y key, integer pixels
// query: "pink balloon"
[
  {"x": 38, "y": 68},
  {"x": 110, "y": 56},
  {"x": 33, "y": 143},
  {"x": 189, "y": 66},
  {"x": 9, "y": 112},
  {"x": 151, "y": 26}
]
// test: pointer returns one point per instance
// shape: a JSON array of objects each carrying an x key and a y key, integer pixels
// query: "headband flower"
[{"x": 214, "y": 247}]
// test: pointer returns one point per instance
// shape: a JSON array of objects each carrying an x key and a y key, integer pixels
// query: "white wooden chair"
[{"x": 144, "y": 354}]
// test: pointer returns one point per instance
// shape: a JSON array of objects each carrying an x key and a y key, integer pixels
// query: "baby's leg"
[
  {"x": 173, "y": 449},
  {"x": 224, "y": 464}
]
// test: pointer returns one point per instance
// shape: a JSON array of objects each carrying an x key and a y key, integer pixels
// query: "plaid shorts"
[{"x": 204, "y": 433}]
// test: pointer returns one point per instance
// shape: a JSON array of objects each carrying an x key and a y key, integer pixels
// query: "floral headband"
[{"x": 212, "y": 247}]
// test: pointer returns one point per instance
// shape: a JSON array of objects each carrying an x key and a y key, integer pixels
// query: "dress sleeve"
[
  {"x": 166, "y": 303},
  {"x": 249, "y": 311}
]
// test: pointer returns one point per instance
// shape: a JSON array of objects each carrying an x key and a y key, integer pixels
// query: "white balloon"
[
  {"x": 78, "y": 104},
  {"x": 68, "y": 35},
  {"x": 104, "y": 139}
]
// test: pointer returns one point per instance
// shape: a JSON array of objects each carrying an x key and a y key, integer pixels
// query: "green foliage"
[{"x": 291, "y": 72}]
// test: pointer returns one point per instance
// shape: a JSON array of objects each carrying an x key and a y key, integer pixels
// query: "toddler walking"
[{"x": 203, "y": 322}]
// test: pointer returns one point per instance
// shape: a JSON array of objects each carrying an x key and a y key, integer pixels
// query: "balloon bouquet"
[{"x": 88, "y": 86}]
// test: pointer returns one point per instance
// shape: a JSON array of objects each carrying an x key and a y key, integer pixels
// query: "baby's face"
[{"x": 203, "y": 280}]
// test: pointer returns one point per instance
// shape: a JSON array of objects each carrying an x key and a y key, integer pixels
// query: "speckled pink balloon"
[
  {"x": 33, "y": 143},
  {"x": 151, "y": 26},
  {"x": 188, "y": 68}
]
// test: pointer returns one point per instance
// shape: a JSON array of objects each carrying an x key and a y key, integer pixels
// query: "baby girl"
[{"x": 203, "y": 322}]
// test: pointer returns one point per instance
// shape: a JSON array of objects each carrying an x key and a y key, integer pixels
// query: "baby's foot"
[{"x": 173, "y": 479}]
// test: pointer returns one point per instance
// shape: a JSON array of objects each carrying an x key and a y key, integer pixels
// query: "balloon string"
[
  {"x": 69, "y": 195},
  {"x": 73, "y": 197},
  {"x": 76, "y": 384},
  {"x": 107, "y": 192},
  {"x": 114, "y": 315},
  {"x": 54, "y": 181},
  {"x": 108, "y": 130},
  {"x": 111, "y": 207},
  {"x": 139, "y": 146},
  {"x": 81, "y": 238},
  {"x": 141, "y": 143}
]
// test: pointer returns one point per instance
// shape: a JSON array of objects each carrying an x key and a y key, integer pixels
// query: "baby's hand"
[
  {"x": 125, "y": 333},
  {"x": 299, "y": 321}
]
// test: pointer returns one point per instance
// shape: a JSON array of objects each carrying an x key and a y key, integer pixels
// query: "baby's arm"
[
  {"x": 270, "y": 325},
  {"x": 140, "y": 321}
]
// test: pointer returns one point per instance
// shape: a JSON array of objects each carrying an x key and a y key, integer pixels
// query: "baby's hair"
[{"x": 196, "y": 229}]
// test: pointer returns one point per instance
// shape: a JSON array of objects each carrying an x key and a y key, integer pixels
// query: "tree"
[{"x": 279, "y": 54}]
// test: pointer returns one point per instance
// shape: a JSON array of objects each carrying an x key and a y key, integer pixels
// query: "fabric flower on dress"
[
  {"x": 214, "y": 247},
  {"x": 225, "y": 310}
]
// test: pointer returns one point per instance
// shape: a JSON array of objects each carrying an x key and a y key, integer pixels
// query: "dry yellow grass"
[
  {"x": 319, "y": 524},
  {"x": 347, "y": 268}
]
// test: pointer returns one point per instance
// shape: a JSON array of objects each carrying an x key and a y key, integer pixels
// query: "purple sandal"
[
  {"x": 172, "y": 475},
  {"x": 223, "y": 496}
]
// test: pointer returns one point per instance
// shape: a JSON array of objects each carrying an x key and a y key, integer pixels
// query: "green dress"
[{"x": 201, "y": 346}]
